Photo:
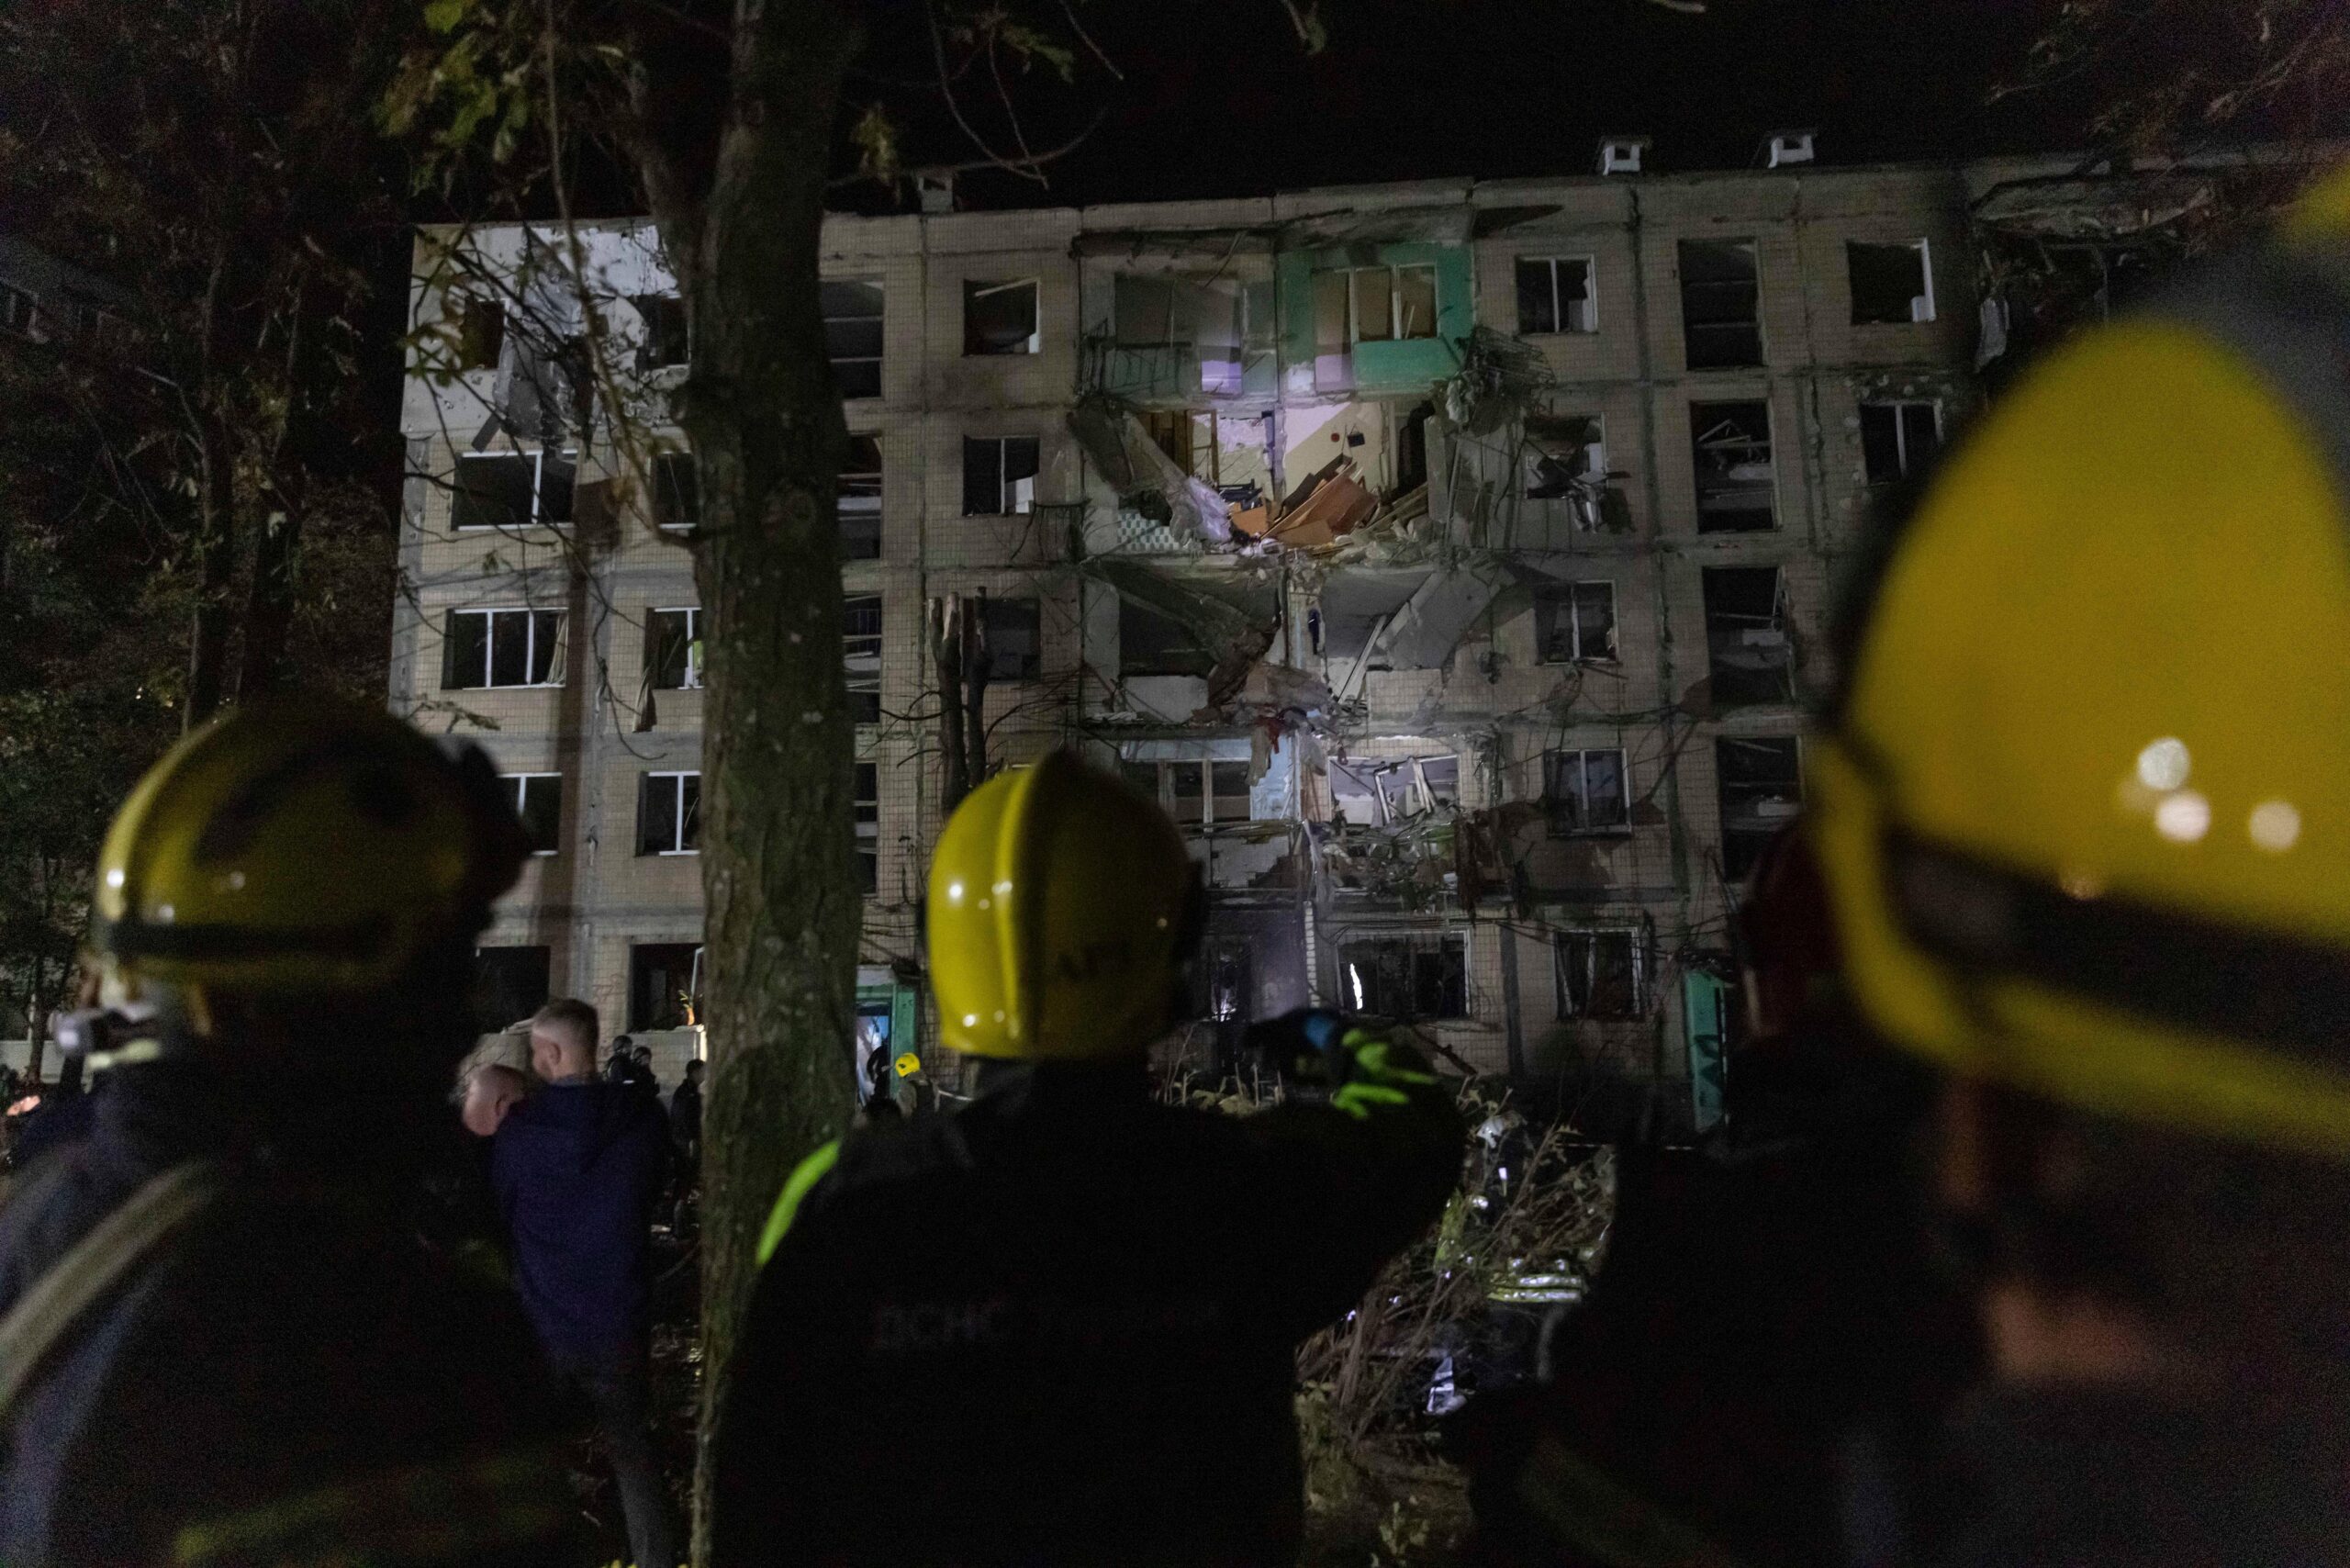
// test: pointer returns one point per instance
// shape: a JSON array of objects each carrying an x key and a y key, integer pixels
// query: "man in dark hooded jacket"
[{"x": 578, "y": 1167}]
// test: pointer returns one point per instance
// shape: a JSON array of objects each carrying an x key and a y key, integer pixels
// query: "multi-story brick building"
[{"x": 1450, "y": 558}]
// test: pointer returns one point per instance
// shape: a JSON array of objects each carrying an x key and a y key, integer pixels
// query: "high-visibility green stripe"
[{"x": 812, "y": 1171}]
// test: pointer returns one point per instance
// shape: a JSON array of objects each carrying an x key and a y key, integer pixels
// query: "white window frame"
[
  {"x": 693, "y": 612},
  {"x": 677, "y": 795},
  {"x": 1395, "y": 302},
  {"x": 522, "y": 782},
  {"x": 1025, "y": 501},
  {"x": 1352, "y": 994},
  {"x": 1636, "y": 936},
  {"x": 983, "y": 288},
  {"x": 1582, "y": 755},
  {"x": 1921, "y": 305},
  {"x": 1900, "y": 434},
  {"x": 530, "y": 647},
  {"x": 1590, "y": 301},
  {"x": 538, "y": 486},
  {"x": 857, "y": 645},
  {"x": 1565, "y": 594}
]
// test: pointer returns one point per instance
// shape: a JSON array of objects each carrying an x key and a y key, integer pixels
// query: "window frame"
[
  {"x": 691, "y": 680},
  {"x": 866, "y": 821},
  {"x": 843, "y": 495},
  {"x": 646, "y": 305},
  {"x": 989, "y": 605},
  {"x": 877, "y": 361},
  {"x": 1922, "y": 246},
  {"x": 1693, "y": 325},
  {"x": 1550, "y": 263},
  {"x": 1904, "y": 466},
  {"x": 979, "y": 288},
  {"x": 664, "y": 464},
  {"x": 558, "y": 674},
  {"x": 857, "y": 645},
  {"x": 1752, "y": 838},
  {"x": 1710, "y": 414},
  {"x": 1634, "y": 938},
  {"x": 1000, "y": 442},
  {"x": 1393, "y": 272},
  {"x": 1552, "y": 799},
  {"x": 538, "y": 457},
  {"x": 679, "y": 813},
  {"x": 1563, "y": 595},
  {"x": 19, "y": 310},
  {"x": 1414, "y": 945},
  {"x": 522, "y": 783}
]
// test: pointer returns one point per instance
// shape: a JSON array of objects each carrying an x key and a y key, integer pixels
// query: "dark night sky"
[{"x": 1220, "y": 99}]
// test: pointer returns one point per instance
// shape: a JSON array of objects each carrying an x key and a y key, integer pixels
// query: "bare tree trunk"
[
  {"x": 779, "y": 879},
  {"x": 36, "y": 1024},
  {"x": 269, "y": 606},
  {"x": 207, "y": 654}
]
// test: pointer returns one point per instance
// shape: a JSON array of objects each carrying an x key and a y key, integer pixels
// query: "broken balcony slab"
[{"x": 1430, "y": 624}]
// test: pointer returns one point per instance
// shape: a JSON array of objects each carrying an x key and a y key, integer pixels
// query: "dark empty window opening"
[
  {"x": 673, "y": 650},
  {"x": 665, "y": 341},
  {"x": 1015, "y": 644},
  {"x": 1380, "y": 791},
  {"x": 1412, "y": 976},
  {"x": 18, "y": 310},
  {"x": 999, "y": 475},
  {"x": 1554, "y": 296},
  {"x": 1891, "y": 284},
  {"x": 1575, "y": 622},
  {"x": 1730, "y": 453},
  {"x": 677, "y": 491},
  {"x": 1151, "y": 642},
  {"x": 1898, "y": 439},
  {"x": 1760, "y": 784},
  {"x": 861, "y": 656},
  {"x": 860, "y": 500},
  {"x": 509, "y": 984},
  {"x": 481, "y": 331},
  {"x": 664, "y": 985},
  {"x": 868, "y": 827},
  {"x": 501, "y": 647},
  {"x": 999, "y": 318},
  {"x": 1601, "y": 974},
  {"x": 1749, "y": 658},
  {"x": 669, "y": 813},
  {"x": 510, "y": 491},
  {"x": 1586, "y": 790},
  {"x": 1565, "y": 458},
  {"x": 1718, "y": 301},
  {"x": 537, "y": 800},
  {"x": 853, "y": 335}
]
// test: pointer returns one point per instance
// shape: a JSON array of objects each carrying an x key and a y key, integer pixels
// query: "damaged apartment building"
[{"x": 1450, "y": 560}]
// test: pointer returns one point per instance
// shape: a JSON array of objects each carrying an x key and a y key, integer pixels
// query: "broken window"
[
  {"x": 1730, "y": 451},
  {"x": 1554, "y": 296},
  {"x": 1898, "y": 439},
  {"x": 1151, "y": 642},
  {"x": 1227, "y": 799},
  {"x": 1147, "y": 777},
  {"x": 861, "y": 656},
  {"x": 664, "y": 985},
  {"x": 868, "y": 827},
  {"x": 1334, "y": 365},
  {"x": 666, "y": 343},
  {"x": 1379, "y": 792},
  {"x": 1391, "y": 304},
  {"x": 999, "y": 475},
  {"x": 537, "y": 800},
  {"x": 677, "y": 491},
  {"x": 1144, "y": 312},
  {"x": 481, "y": 331},
  {"x": 1015, "y": 648},
  {"x": 1760, "y": 784},
  {"x": 1718, "y": 304},
  {"x": 17, "y": 310},
  {"x": 1749, "y": 658},
  {"x": 1414, "y": 977},
  {"x": 1890, "y": 283},
  {"x": 1575, "y": 622},
  {"x": 673, "y": 650},
  {"x": 1600, "y": 973},
  {"x": 509, "y": 983},
  {"x": 999, "y": 318},
  {"x": 853, "y": 336},
  {"x": 860, "y": 500},
  {"x": 1175, "y": 431},
  {"x": 1586, "y": 790},
  {"x": 510, "y": 489},
  {"x": 1566, "y": 459},
  {"x": 501, "y": 647},
  {"x": 669, "y": 813}
]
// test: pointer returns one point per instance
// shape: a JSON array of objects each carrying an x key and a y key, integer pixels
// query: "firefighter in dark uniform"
[
  {"x": 221, "y": 1341},
  {"x": 1068, "y": 1311},
  {"x": 2085, "y": 816}
]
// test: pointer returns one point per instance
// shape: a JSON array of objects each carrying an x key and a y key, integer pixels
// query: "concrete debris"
[
  {"x": 1144, "y": 477},
  {"x": 1422, "y": 633}
]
